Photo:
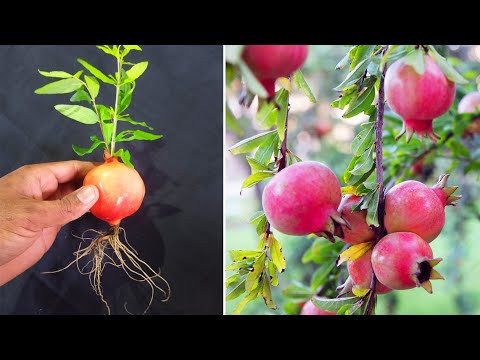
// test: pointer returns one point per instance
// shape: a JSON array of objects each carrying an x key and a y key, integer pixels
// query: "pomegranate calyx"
[
  {"x": 421, "y": 127},
  {"x": 426, "y": 272},
  {"x": 333, "y": 227},
  {"x": 444, "y": 192},
  {"x": 345, "y": 288}
]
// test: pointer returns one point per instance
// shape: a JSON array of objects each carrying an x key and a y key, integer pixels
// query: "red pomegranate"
[
  {"x": 403, "y": 260},
  {"x": 269, "y": 62},
  {"x": 361, "y": 271},
  {"x": 310, "y": 309},
  {"x": 359, "y": 230},
  {"x": 414, "y": 207},
  {"x": 418, "y": 99},
  {"x": 303, "y": 199}
]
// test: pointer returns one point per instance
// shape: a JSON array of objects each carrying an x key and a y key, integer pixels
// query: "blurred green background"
[{"x": 317, "y": 132}]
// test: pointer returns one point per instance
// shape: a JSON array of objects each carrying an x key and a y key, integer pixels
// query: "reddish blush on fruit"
[
  {"x": 359, "y": 230},
  {"x": 360, "y": 271}
]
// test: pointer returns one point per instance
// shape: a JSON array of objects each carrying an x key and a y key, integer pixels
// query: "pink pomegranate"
[
  {"x": 360, "y": 271},
  {"x": 269, "y": 62},
  {"x": 403, "y": 260},
  {"x": 470, "y": 103},
  {"x": 418, "y": 99},
  {"x": 414, "y": 207},
  {"x": 303, "y": 199},
  {"x": 310, "y": 309},
  {"x": 360, "y": 231}
]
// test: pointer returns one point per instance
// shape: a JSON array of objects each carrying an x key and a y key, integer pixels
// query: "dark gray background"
[{"x": 178, "y": 227}]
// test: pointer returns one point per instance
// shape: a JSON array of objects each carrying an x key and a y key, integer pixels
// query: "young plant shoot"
[{"x": 120, "y": 186}]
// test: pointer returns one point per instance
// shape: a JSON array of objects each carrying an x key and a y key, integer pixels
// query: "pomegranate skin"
[
  {"x": 414, "y": 207},
  {"x": 269, "y": 62},
  {"x": 360, "y": 271},
  {"x": 302, "y": 198},
  {"x": 418, "y": 99},
  {"x": 360, "y": 231},
  {"x": 310, "y": 309},
  {"x": 470, "y": 103},
  {"x": 121, "y": 191},
  {"x": 396, "y": 258}
]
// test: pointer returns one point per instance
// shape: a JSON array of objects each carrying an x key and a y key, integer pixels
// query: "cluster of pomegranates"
[{"x": 306, "y": 198}]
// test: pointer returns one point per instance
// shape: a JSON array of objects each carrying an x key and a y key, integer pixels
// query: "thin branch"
[{"x": 379, "y": 177}]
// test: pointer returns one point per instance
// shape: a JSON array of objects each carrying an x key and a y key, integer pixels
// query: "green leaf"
[
  {"x": 132, "y": 47},
  {"x": 282, "y": 100},
  {"x": 232, "y": 122},
  {"x": 446, "y": 68},
  {"x": 276, "y": 254},
  {"x": 267, "y": 294},
  {"x": 236, "y": 289},
  {"x": 267, "y": 114},
  {"x": 458, "y": 149},
  {"x": 243, "y": 264},
  {"x": 129, "y": 135},
  {"x": 364, "y": 163},
  {"x": 256, "y": 178},
  {"x": 292, "y": 308},
  {"x": 472, "y": 166},
  {"x": 95, "y": 72},
  {"x": 238, "y": 255},
  {"x": 363, "y": 140},
  {"x": 267, "y": 149},
  {"x": 107, "y": 50},
  {"x": 416, "y": 59},
  {"x": 253, "y": 276},
  {"x": 256, "y": 166},
  {"x": 361, "y": 103},
  {"x": 272, "y": 272},
  {"x": 355, "y": 75},
  {"x": 372, "y": 207},
  {"x": 342, "y": 63},
  {"x": 81, "y": 95},
  {"x": 333, "y": 305},
  {"x": 343, "y": 310},
  {"x": 321, "y": 275},
  {"x": 362, "y": 53},
  {"x": 125, "y": 156},
  {"x": 250, "y": 144},
  {"x": 229, "y": 73},
  {"x": 92, "y": 85},
  {"x": 63, "y": 86},
  {"x": 249, "y": 297},
  {"x": 303, "y": 86},
  {"x": 78, "y": 113},
  {"x": 259, "y": 220},
  {"x": 133, "y": 122},
  {"x": 233, "y": 53},
  {"x": 252, "y": 83},
  {"x": 299, "y": 292},
  {"x": 96, "y": 142},
  {"x": 56, "y": 74},
  {"x": 137, "y": 70}
]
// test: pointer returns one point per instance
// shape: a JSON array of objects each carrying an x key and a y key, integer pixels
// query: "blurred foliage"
[{"x": 317, "y": 131}]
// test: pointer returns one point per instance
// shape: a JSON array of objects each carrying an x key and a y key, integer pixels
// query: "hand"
[{"x": 35, "y": 202}]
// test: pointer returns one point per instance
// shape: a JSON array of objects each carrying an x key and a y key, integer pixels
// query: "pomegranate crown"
[{"x": 444, "y": 192}]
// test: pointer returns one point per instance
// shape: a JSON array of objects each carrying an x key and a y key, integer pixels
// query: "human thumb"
[{"x": 69, "y": 208}]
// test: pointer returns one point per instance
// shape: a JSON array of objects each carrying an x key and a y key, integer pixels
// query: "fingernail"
[{"x": 87, "y": 195}]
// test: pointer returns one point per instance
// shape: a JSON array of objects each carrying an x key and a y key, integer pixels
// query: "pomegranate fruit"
[
  {"x": 303, "y": 199},
  {"x": 359, "y": 230},
  {"x": 470, "y": 103},
  {"x": 121, "y": 190},
  {"x": 403, "y": 260},
  {"x": 310, "y": 309},
  {"x": 414, "y": 207},
  {"x": 360, "y": 271},
  {"x": 322, "y": 128},
  {"x": 418, "y": 99},
  {"x": 269, "y": 62}
]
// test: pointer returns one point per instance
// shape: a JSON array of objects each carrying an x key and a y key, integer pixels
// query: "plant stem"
[
  {"x": 117, "y": 93},
  {"x": 94, "y": 104},
  {"x": 379, "y": 177},
  {"x": 282, "y": 163}
]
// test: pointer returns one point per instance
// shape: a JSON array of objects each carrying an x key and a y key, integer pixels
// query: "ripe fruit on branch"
[
  {"x": 322, "y": 128},
  {"x": 303, "y": 199},
  {"x": 403, "y": 260},
  {"x": 418, "y": 99},
  {"x": 359, "y": 230},
  {"x": 310, "y": 309},
  {"x": 121, "y": 190},
  {"x": 360, "y": 271},
  {"x": 414, "y": 207},
  {"x": 471, "y": 104},
  {"x": 269, "y": 62}
]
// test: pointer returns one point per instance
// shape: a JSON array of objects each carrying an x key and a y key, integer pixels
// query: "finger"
[
  {"x": 61, "y": 191},
  {"x": 69, "y": 208},
  {"x": 63, "y": 171}
]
